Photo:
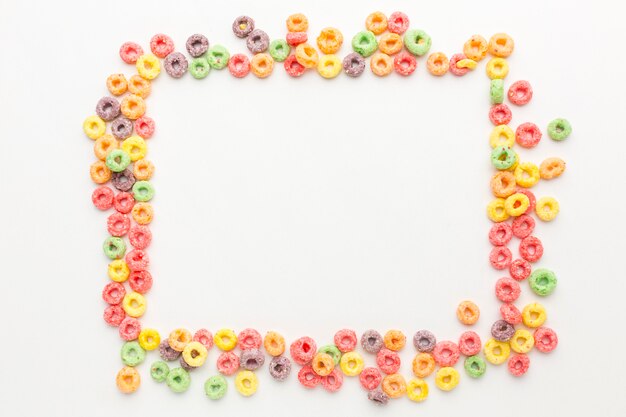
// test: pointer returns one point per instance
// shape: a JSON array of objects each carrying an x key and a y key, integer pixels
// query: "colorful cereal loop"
[
  {"x": 547, "y": 208},
  {"x": 417, "y": 390},
  {"x": 496, "y": 352},
  {"x": 351, "y": 363},
  {"x": 447, "y": 378}
]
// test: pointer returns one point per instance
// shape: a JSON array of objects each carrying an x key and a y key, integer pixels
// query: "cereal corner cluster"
[{"x": 121, "y": 128}]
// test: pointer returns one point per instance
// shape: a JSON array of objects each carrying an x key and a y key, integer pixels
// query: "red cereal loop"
[
  {"x": 500, "y": 114},
  {"x": 454, "y": 69},
  {"x": 140, "y": 236},
  {"x": 137, "y": 260},
  {"x": 102, "y": 197},
  {"x": 546, "y": 339},
  {"x": 118, "y": 224},
  {"x": 293, "y": 67},
  {"x": 333, "y": 381},
  {"x": 140, "y": 281},
  {"x": 531, "y": 199},
  {"x": 500, "y": 257},
  {"x": 470, "y": 343},
  {"x": 397, "y": 22},
  {"x": 113, "y": 315},
  {"x": 129, "y": 328},
  {"x": 130, "y": 51},
  {"x": 520, "y": 269},
  {"x": 531, "y": 249},
  {"x": 249, "y": 339},
  {"x": 227, "y": 363},
  {"x": 113, "y": 293},
  {"x": 500, "y": 234},
  {"x": 370, "y": 378},
  {"x": 518, "y": 364},
  {"x": 204, "y": 337},
  {"x": 446, "y": 353},
  {"x": 507, "y": 290},
  {"x": 144, "y": 127},
  {"x": 161, "y": 45},
  {"x": 520, "y": 92},
  {"x": 523, "y": 226},
  {"x": 345, "y": 340},
  {"x": 527, "y": 135},
  {"x": 388, "y": 361},
  {"x": 303, "y": 350},
  {"x": 296, "y": 38},
  {"x": 404, "y": 63},
  {"x": 510, "y": 314},
  {"x": 239, "y": 65},
  {"x": 308, "y": 377},
  {"x": 124, "y": 202}
]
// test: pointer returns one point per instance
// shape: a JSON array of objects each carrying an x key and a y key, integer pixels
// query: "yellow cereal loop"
[
  {"x": 496, "y": 210},
  {"x": 134, "y": 304},
  {"x": 246, "y": 383},
  {"x": 423, "y": 364},
  {"x": 149, "y": 339},
  {"x": 142, "y": 213},
  {"x": 497, "y": 68},
  {"x": 118, "y": 270},
  {"x": 136, "y": 147},
  {"x": 148, "y": 66},
  {"x": 547, "y": 208},
  {"x": 496, "y": 352},
  {"x": 390, "y": 43},
  {"x": 534, "y": 315},
  {"x": 447, "y": 378},
  {"x": 195, "y": 354},
  {"x": 516, "y": 204},
  {"x": 330, "y": 40},
  {"x": 306, "y": 55},
  {"x": 376, "y": 23},
  {"x": 329, "y": 66},
  {"x": 143, "y": 170},
  {"x": 225, "y": 339},
  {"x": 502, "y": 135},
  {"x": 103, "y": 145},
  {"x": 94, "y": 127},
  {"x": 351, "y": 363},
  {"x": 526, "y": 174},
  {"x": 178, "y": 339},
  {"x": 522, "y": 341},
  {"x": 466, "y": 63},
  {"x": 133, "y": 106},
  {"x": 417, "y": 390}
]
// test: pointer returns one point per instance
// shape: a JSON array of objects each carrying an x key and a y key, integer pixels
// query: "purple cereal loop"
[
  {"x": 251, "y": 359},
  {"x": 371, "y": 341},
  {"x": 424, "y": 341},
  {"x": 258, "y": 41},
  {"x": 108, "y": 108},
  {"x": 378, "y": 396},
  {"x": 354, "y": 64},
  {"x": 124, "y": 180},
  {"x": 166, "y": 352},
  {"x": 280, "y": 367},
  {"x": 245, "y": 21},
  {"x": 176, "y": 64},
  {"x": 197, "y": 45},
  {"x": 502, "y": 331},
  {"x": 121, "y": 128}
]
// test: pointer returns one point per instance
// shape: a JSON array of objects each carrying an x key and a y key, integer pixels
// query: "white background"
[{"x": 308, "y": 205}]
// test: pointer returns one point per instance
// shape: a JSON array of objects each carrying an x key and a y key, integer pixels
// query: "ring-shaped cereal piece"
[
  {"x": 467, "y": 312},
  {"x": 249, "y": 339},
  {"x": 417, "y": 42},
  {"x": 381, "y": 64},
  {"x": 370, "y": 378},
  {"x": 199, "y": 68},
  {"x": 114, "y": 247},
  {"x": 502, "y": 135},
  {"x": 351, "y": 363},
  {"x": 510, "y": 314},
  {"x": 94, "y": 127},
  {"x": 239, "y": 65},
  {"x": 388, "y": 361},
  {"x": 143, "y": 170},
  {"x": 417, "y": 390},
  {"x": 135, "y": 147},
  {"x": 143, "y": 191},
  {"x": 394, "y": 340},
  {"x": 308, "y": 378},
  {"x": 113, "y": 293},
  {"x": 531, "y": 249},
  {"x": 390, "y": 43},
  {"x": 161, "y": 45},
  {"x": 424, "y": 341},
  {"x": 475, "y": 48},
  {"x": 139, "y": 86},
  {"x": 121, "y": 127},
  {"x": 159, "y": 371},
  {"x": 274, "y": 343},
  {"x": 133, "y": 106},
  {"x": 102, "y": 197},
  {"x": 404, "y": 63},
  {"x": 117, "y": 160},
  {"x": 467, "y": 63},
  {"x": 323, "y": 364},
  {"x": 332, "y": 351},
  {"x": 306, "y": 55},
  {"x": 128, "y": 380},
  {"x": 297, "y": 23},
  {"x": 178, "y": 380},
  {"x": 503, "y": 184},
  {"x": 178, "y": 339},
  {"x": 129, "y": 328},
  {"x": 446, "y": 353},
  {"x": 345, "y": 340},
  {"x": 501, "y": 45},
  {"x": 520, "y": 269},
  {"x": 497, "y": 68},
  {"x": 215, "y": 387},
  {"x": 117, "y": 84},
  {"x": 118, "y": 224},
  {"x": 195, "y": 354},
  {"x": 302, "y": 350},
  {"x": 503, "y": 158},
  {"x": 547, "y": 208},
  {"x": 470, "y": 343},
  {"x": 522, "y": 341},
  {"x": 523, "y": 226},
  {"x": 548, "y": 169},
  {"x": 454, "y": 65},
  {"x": 142, "y": 212},
  {"x": 108, "y": 108},
  {"x": 130, "y": 52},
  {"x": 371, "y": 341},
  {"x": 329, "y": 66},
  {"x": 280, "y": 367},
  {"x": 438, "y": 63},
  {"x": 526, "y": 174},
  {"x": 376, "y": 23},
  {"x": 296, "y": 38},
  {"x": 496, "y": 210},
  {"x": 502, "y": 331},
  {"x": 118, "y": 271},
  {"x": 330, "y": 40},
  {"x": 134, "y": 304},
  {"x": 293, "y": 67},
  {"x": 148, "y": 66},
  {"x": 447, "y": 378},
  {"x": 542, "y": 282},
  {"x": 423, "y": 364},
  {"x": 496, "y": 91},
  {"x": 225, "y": 339},
  {"x": 520, "y": 93},
  {"x": 496, "y": 352},
  {"x": 132, "y": 354},
  {"x": 546, "y": 339},
  {"x": 394, "y": 385},
  {"x": 534, "y": 315},
  {"x": 103, "y": 145},
  {"x": 500, "y": 114},
  {"x": 559, "y": 129},
  {"x": 475, "y": 366},
  {"x": 518, "y": 364},
  {"x": 197, "y": 45},
  {"x": 364, "y": 43},
  {"x": 528, "y": 135},
  {"x": 333, "y": 381},
  {"x": 149, "y": 339},
  {"x": 217, "y": 57},
  {"x": 279, "y": 50},
  {"x": 398, "y": 23},
  {"x": 258, "y": 41},
  {"x": 507, "y": 290},
  {"x": 516, "y": 204},
  {"x": 227, "y": 363}
]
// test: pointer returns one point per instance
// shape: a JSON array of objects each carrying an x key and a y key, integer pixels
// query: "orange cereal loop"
[
  {"x": 551, "y": 168},
  {"x": 501, "y": 45},
  {"x": 139, "y": 86},
  {"x": 116, "y": 84},
  {"x": 323, "y": 364},
  {"x": 142, "y": 213},
  {"x": 475, "y": 48},
  {"x": 381, "y": 64},
  {"x": 178, "y": 339},
  {"x": 438, "y": 63},
  {"x": 423, "y": 364},
  {"x": 99, "y": 172},
  {"x": 143, "y": 170},
  {"x": 394, "y": 385},
  {"x": 133, "y": 106},
  {"x": 467, "y": 312},
  {"x": 274, "y": 343},
  {"x": 128, "y": 380},
  {"x": 394, "y": 340},
  {"x": 376, "y": 23},
  {"x": 297, "y": 23},
  {"x": 330, "y": 40},
  {"x": 390, "y": 43},
  {"x": 262, "y": 65},
  {"x": 503, "y": 184},
  {"x": 306, "y": 55},
  {"x": 104, "y": 145}
]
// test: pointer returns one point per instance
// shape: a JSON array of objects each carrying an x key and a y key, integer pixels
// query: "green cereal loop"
[
  {"x": 542, "y": 281},
  {"x": 365, "y": 43},
  {"x": 117, "y": 160},
  {"x": 132, "y": 354},
  {"x": 496, "y": 91},
  {"x": 199, "y": 68},
  {"x": 159, "y": 371},
  {"x": 143, "y": 191},
  {"x": 279, "y": 50},
  {"x": 475, "y": 366},
  {"x": 215, "y": 387},
  {"x": 178, "y": 380},
  {"x": 218, "y": 57},
  {"x": 114, "y": 247},
  {"x": 333, "y": 351},
  {"x": 417, "y": 41},
  {"x": 559, "y": 129},
  {"x": 503, "y": 157}
]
